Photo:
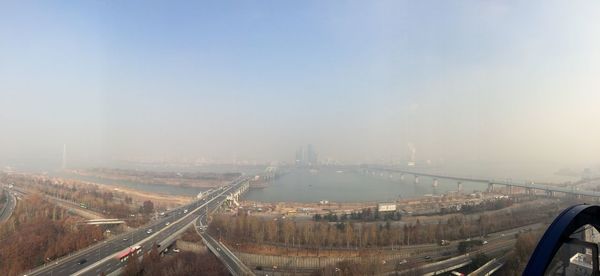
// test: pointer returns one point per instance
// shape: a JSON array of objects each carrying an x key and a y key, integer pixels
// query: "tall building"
[
  {"x": 306, "y": 156},
  {"x": 311, "y": 155},
  {"x": 300, "y": 157}
]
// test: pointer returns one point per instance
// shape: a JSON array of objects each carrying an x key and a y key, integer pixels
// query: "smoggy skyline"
[{"x": 461, "y": 81}]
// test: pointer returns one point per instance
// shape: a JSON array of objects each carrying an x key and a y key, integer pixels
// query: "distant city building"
[
  {"x": 587, "y": 173},
  {"x": 306, "y": 156},
  {"x": 411, "y": 155}
]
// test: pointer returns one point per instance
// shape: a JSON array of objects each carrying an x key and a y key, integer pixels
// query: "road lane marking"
[{"x": 86, "y": 269}]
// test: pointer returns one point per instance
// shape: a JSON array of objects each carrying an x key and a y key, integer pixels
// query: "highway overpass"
[{"x": 102, "y": 257}]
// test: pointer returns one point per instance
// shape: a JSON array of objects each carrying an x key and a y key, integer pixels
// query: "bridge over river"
[{"x": 530, "y": 187}]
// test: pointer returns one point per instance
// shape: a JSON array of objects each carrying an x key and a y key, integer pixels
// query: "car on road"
[{"x": 82, "y": 261}]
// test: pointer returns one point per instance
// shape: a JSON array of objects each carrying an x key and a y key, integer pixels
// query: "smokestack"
[{"x": 64, "y": 157}]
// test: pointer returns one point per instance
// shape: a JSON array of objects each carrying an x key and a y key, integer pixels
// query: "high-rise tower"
[{"x": 64, "y": 157}]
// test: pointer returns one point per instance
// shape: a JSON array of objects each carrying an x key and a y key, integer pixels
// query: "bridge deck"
[{"x": 543, "y": 187}]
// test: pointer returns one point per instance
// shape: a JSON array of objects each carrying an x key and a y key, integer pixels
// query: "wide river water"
[
  {"x": 348, "y": 186},
  {"x": 303, "y": 185}
]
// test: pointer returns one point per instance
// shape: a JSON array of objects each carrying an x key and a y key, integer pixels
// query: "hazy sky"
[{"x": 461, "y": 80}]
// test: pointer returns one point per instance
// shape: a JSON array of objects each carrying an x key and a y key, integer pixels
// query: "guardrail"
[
  {"x": 489, "y": 268},
  {"x": 240, "y": 268},
  {"x": 74, "y": 255},
  {"x": 157, "y": 232}
]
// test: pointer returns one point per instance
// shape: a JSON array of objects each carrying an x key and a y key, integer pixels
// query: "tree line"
[
  {"x": 184, "y": 263},
  {"x": 90, "y": 196},
  {"x": 366, "y": 214},
  {"x": 38, "y": 232},
  {"x": 349, "y": 234}
]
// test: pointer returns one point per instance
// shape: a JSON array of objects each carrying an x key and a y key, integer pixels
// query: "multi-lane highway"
[
  {"x": 9, "y": 206},
  {"x": 230, "y": 260},
  {"x": 102, "y": 257}
]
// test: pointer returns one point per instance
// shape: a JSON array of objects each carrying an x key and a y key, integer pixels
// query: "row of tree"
[
  {"x": 311, "y": 234},
  {"x": 39, "y": 231},
  {"x": 366, "y": 214},
  {"x": 184, "y": 263},
  {"x": 112, "y": 205},
  {"x": 518, "y": 258}
]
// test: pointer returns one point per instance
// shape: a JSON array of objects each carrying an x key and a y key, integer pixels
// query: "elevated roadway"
[
  {"x": 233, "y": 264},
  {"x": 490, "y": 267},
  {"x": 448, "y": 265},
  {"x": 101, "y": 258}
]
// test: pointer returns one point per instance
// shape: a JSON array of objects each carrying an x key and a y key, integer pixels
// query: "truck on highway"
[{"x": 131, "y": 251}]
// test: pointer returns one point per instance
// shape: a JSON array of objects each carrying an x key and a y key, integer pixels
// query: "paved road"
[
  {"x": 9, "y": 207},
  {"x": 229, "y": 259},
  {"x": 69, "y": 205},
  {"x": 101, "y": 257},
  {"x": 233, "y": 264},
  {"x": 490, "y": 267},
  {"x": 421, "y": 265}
]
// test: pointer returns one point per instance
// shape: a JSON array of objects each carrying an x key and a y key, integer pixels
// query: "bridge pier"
[{"x": 529, "y": 191}]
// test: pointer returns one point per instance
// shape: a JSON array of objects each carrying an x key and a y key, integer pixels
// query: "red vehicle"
[{"x": 131, "y": 251}]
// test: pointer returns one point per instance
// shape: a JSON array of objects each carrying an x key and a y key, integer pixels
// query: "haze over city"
[
  {"x": 304, "y": 138},
  {"x": 468, "y": 82}
]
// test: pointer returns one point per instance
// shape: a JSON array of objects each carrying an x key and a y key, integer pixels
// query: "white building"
[{"x": 386, "y": 207}]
